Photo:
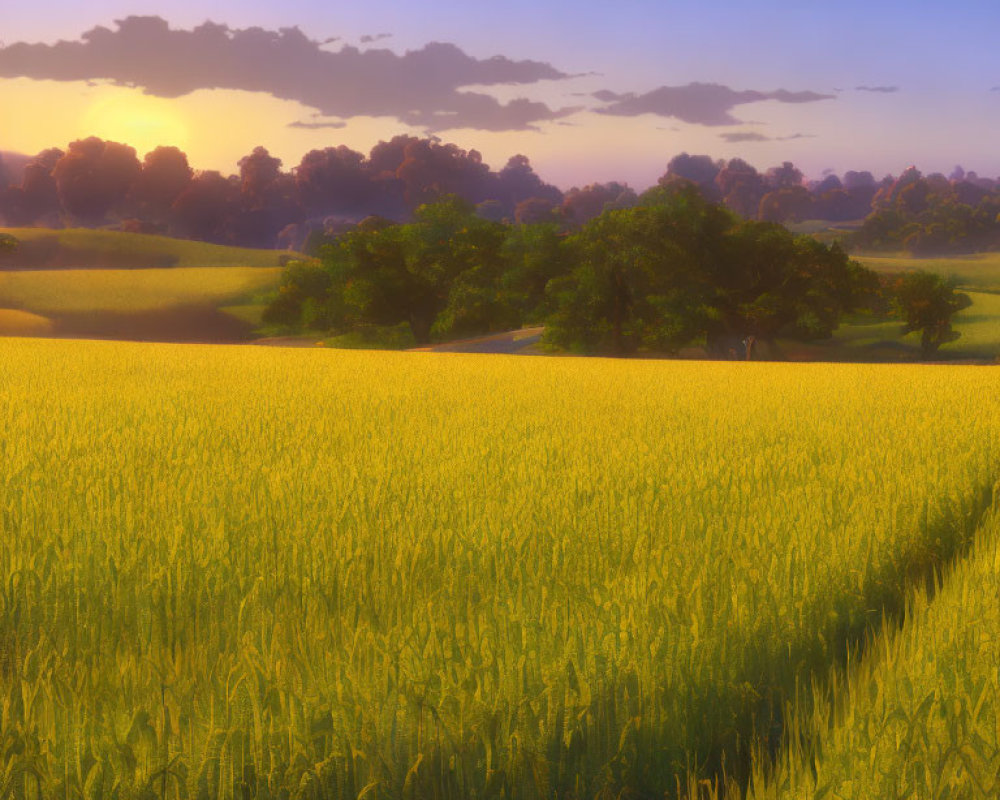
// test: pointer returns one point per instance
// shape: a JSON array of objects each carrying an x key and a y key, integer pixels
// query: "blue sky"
[{"x": 941, "y": 59}]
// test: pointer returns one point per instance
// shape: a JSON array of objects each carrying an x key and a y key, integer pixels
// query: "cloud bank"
[
  {"x": 419, "y": 88},
  {"x": 735, "y": 137},
  {"x": 697, "y": 103}
]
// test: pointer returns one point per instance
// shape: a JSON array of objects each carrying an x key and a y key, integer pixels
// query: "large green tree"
[
  {"x": 927, "y": 303},
  {"x": 678, "y": 268},
  {"x": 640, "y": 275},
  {"x": 769, "y": 283},
  {"x": 441, "y": 274}
]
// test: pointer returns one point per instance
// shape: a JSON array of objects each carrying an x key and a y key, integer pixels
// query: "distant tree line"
[
  {"x": 933, "y": 215},
  {"x": 101, "y": 183},
  {"x": 671, "y": 270}
]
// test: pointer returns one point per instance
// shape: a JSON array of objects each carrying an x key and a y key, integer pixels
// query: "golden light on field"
[{"x": 139, "y": 120}]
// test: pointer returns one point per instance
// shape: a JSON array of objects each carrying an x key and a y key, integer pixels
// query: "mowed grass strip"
[
  {"x": 86, "y": 248},
  {"x": 128, "y": 290},
  {"x": 243, "y": 571}
]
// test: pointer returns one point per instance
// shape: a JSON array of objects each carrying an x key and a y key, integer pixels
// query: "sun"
[{"x": 136, "y": 119}]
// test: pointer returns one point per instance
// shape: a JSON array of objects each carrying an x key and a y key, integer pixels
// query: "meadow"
[
  {"x": 243, "y": 572},
  {"x": 86, "y": 248},
  {"x": 179, "y": 303}
]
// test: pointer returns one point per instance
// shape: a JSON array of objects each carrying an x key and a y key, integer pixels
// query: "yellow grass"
[
  {"x": 230, "y": 571},
  {"x": 23, "y": 323},
  {"x": 128, "y": 290}
]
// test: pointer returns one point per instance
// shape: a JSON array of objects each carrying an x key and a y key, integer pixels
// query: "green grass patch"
[
  {"x": 123, "y": 290},
  {"x": 82, "y": 247},
  {"x": 979, "y": 326},
  {"x": 980, "y": 271}
]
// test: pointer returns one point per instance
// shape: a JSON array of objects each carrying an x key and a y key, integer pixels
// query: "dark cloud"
[
  {"x": 317, "y": 125},
  {"x": 995, "y": 89},
  {"x": 882, "y": 89},
  {"x": 744, "y": 136},
  {"x": 420, "y": 87},
  {"x": 753, "y": 136},
  {"x": 698, "y": 103},
  {"x": 376, "y": 37}
]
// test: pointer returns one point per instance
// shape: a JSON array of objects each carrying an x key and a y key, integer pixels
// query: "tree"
[
  {"x": 332, "y": 181},
  {"x": 639, "y": 276},
  {"x": 36, "y": 198},
  {"x": 927, "y": 303},
  {"x": 533, "y": 255},
  {"x": 784, "y": 177},
  {"x": 8, "y": 244},
  {"x": 581, "y": 205},
  {"x": 165, "y": 174},
  {"x": 700, "y": 170},
  {"x": 440, "y": 274},
  {"x": 267, "y": 200},
  {"x": 94, "y": 176},
  {"x": 677, "y": 268},
  {"x": 769, "y": 283},
  {"x": 741, "y": 187},
  {"x": 204, "y": 208},
  {"x": 789, "y": 204},
  {"x": 518, "y": 182}
]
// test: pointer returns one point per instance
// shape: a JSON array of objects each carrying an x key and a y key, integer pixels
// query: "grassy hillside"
[
  {"x": 980, "y": 271},
  {"x": 979, "y": 326},
  {"x": 194, "y": 303},
  {"x": 85, "y": 248},
  {"x": 246, "y": 571}
]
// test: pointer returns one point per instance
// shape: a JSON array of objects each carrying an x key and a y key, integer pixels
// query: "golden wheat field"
[{"x": 232, "y": 572}]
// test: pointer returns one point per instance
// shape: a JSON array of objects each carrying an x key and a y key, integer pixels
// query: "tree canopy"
[
  {"x": 671, "y": 269},
  {"x": 927, "y": 303}
]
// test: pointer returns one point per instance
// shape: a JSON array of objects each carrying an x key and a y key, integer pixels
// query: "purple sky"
[{"x": 612, "y": 91}]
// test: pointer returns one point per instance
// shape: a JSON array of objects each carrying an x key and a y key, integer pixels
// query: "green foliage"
[
  {"x": 657, "y": 276},
  {"x": 635, "y": 285},
  {"x": 85, "y": 248},
  {"x": 676, "y": 268},
  {"x": 301, "y": 295},
  {"x": 440, "y": 274},
  {"x": 8, "y": 244},
  {"x": 928, "y": 219},
  {"x": 927, "y": 303}
]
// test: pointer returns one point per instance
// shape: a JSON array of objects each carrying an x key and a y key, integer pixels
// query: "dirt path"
[{"x": 509, "y": 342}]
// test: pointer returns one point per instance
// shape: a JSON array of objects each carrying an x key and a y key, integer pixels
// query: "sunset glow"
[{"x": 139, "y": 120}]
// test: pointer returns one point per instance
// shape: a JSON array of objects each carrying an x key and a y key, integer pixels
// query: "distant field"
[
  {"x": 249, "y": 572},
  {"x": 979, "y": 326},
  {"x": 85, "y": 248},
  {"x": 23, "y": 323},
  {"x": 981, "y": 271},
  {"x": 182, "y": 303},
  {"x": 56, "y": 291}
]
